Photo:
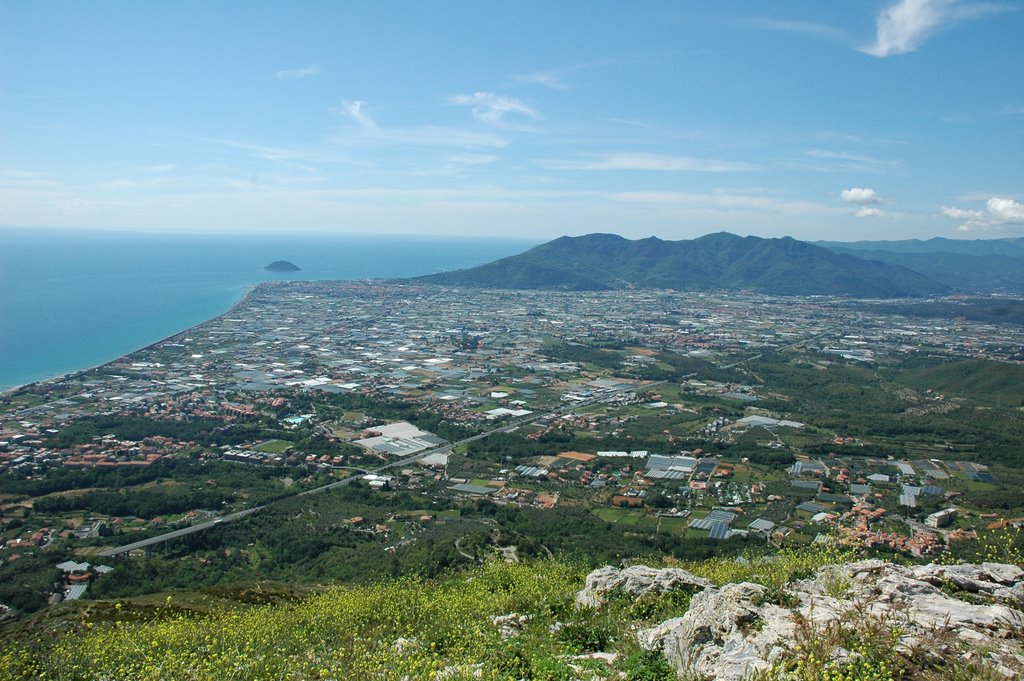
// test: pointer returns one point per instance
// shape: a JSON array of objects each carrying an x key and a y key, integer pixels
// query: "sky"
[{"x": 844, "y": 121}]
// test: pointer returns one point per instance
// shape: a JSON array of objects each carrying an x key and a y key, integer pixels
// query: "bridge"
[{"x": 177, "y": 534}]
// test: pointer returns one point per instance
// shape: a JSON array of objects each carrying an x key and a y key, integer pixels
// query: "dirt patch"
[
  {"x": 547, "y": 500},
  {"x": 576, "y": 456}
]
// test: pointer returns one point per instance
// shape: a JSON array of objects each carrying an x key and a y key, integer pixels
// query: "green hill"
[
  {"x": 987, "y": 381},
  {"x": 963, "y": 272},
  {"x": 282, "y": 266},
  {"x": 713, "y": 262},
  {"x": 971, "y": 265},
  {"x": 1010, "y": 247}
]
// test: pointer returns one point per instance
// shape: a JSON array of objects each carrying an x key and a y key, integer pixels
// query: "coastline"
[{"x": 78, "y": 372}]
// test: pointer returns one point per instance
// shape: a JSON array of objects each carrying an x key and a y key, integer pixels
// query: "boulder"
[
  {"x": 635, "y": 581},
  {"x": 733, "y": 632}
]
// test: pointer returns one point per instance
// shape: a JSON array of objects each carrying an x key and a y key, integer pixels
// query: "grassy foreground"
[{"x": 406, "y": 629}]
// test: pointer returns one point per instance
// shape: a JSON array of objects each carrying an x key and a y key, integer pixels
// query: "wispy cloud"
[
  {"x": 557, "y": 78},
  {"x": 724, "y": 201},
  {"x": 998, "y": 214},
  {"x": 860, "y": 195},
  {"x": 305, "y": 72},
  {"x": 357, "y": 111},
  {"x": 491, "y": 108},
  {"x": 827, "y": 160},
  {"x": 806, "y": 28},
  {"x": 652, "y": 162},
  {"x": 901, "y": 28},
  {"x": 369, "y": 132},
  {"x": 293, "y": 156},
  {"x": 1001, "y": 112},
  {"x": 870, "y": 212},
  {"x": 549, "y": 79},
  {"x": 26, "y": 179},
  {"x": 130, "y": 183},
  {"x": 458, "y": 164}
]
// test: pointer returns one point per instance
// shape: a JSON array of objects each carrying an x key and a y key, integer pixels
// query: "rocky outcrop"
[
  {"x": 729, "y": 633},
  {"x": 635, "y": 581}
]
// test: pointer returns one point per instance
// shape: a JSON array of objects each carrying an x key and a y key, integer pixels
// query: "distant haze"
[{"x": 849, "y": 121}]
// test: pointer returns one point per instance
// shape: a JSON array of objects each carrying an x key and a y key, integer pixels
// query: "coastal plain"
[{"x": 349, "y": 431}]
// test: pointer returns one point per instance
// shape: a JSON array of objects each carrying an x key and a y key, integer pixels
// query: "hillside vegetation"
[{"x": 498, "y": 621}]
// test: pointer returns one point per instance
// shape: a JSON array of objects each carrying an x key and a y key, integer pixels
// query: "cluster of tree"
[
  {"x": 63, "y": 479},
  {"x": 584, "y": 354},
  {"x": 136, "y": 428},
  {"x": 774, "y": 458},
  {"x": 26, "y": 584},
  {"x": 313, "y": 540},
  {"x": 514, "y": 447},
  {"x": 383, "y": 409},
  {"x": 148, "y": 502},
  {"x": 989, "y": 311},
  {"x": 182, "y": 470}
]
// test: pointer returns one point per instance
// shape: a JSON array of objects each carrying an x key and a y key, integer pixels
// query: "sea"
[{"x": 73, "y": 299}]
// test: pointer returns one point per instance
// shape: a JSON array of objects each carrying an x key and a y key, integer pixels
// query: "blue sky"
[{"x": 819, "y": 120}]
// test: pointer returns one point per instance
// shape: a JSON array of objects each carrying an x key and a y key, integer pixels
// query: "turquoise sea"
[{"x": 74, "y": 299}]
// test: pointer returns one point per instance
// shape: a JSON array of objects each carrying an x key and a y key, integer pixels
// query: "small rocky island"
[{"x": 282, "y": 266}]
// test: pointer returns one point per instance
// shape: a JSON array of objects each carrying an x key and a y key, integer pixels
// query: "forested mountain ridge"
[{"x": 783, "y": 266}]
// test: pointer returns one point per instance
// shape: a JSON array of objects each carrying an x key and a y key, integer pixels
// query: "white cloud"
[
  {"x": 999, "y": 212},
  {"x": 961, "y": 214},
  {"x": 490, "y": 108},
  {"x": 902, "y": 27},
  {"x": 1005, "y": 211},
  {"x": 306, "y": 72},
  {"x": 869, "y": 212},
  {"x": 860, "y": 195},
  {"x": 652, "y": 162}
]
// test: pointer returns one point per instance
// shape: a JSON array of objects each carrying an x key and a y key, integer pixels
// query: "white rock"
[
  {"x": 636, "y": 581},
  {"x": 727, "y": 634},
  {"x": 730, "y": 633}
]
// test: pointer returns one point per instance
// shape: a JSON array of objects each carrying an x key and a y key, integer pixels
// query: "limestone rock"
[
  {"x": 732, "y": 632},
  {"x": 635, "y": 581},
  {"x": 726, "y": 634}
]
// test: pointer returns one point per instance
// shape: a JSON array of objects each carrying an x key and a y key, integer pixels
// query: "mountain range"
[
  {"x": 785, "y": 266},
  {"x": 972, "y": 266}
]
